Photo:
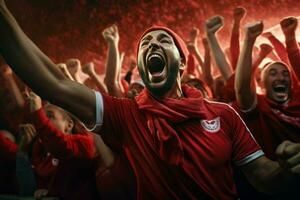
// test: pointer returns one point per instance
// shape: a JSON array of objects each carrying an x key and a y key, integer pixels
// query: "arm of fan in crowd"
[
  {"x": 289, "y": 26},
  {"x": 89, "y": 69},
  {"x": 212, "y": 26},
  {"x": 264, "y": 51},
  {"x": 111, "y": 79},
  {"x": 273, "y": 177},
  {"x": 244, "y": 83},
  {"x": 238, "y": 15},
  {"x": 207, "y": 76},
  {"x": 40, "y": 73},
  {"x": 278, "y": 46}
]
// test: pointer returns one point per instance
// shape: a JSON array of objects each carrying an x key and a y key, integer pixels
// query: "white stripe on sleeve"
[
  {"x": 249, "y": 158},
  {"x": 99, "y": 112}
]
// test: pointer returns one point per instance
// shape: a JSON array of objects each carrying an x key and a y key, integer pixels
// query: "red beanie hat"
[{"x": 180, "y": 44}]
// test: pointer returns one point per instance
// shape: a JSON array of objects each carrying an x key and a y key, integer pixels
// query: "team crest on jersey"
[{"x": 211, "y": 125}]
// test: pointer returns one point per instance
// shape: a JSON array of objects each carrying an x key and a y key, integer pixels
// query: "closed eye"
[
  {"x": 144, "y": 43},
  {"x": 272, "y": 72},
  {"x": 166, "y": 41},
  {"x": 286, "y": 73}
]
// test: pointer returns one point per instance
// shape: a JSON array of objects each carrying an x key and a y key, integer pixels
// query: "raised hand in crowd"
[
  {"x": 289, "y": 26},
  {"x": 34, "y": 102},
  {"x": 265, "y": 50},
  {"x": 65, "y": 71},
  {"x": 89, "y": 70},
  {"x": 27, "y": 133},
  {"x": 206, "y": 70},
  {"x": 111, "y": 80},
  {"x": 244, "y": 88},
  {"x": 212, "y": 25},
  {"x": 192, "y": 46},
  {"x": 238, "y": 14},
  {"x": 74, "y": 67},
  {"x": 111, "y": 34},
  {"x": 278, "y": 46},
  {"x": 254, "y": 30}
]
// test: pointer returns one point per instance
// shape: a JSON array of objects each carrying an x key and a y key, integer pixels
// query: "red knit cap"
[{"x": 180, "y": 44}]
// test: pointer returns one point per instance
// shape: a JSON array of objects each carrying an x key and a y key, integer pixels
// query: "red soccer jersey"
[
  {"x": 210, "y": 146},
  {"x": 271, "y": 123},
  {"x": 227, "y": 93},
  {"x": 63, "y": 163},
  {"x": 118, "y": 181}
]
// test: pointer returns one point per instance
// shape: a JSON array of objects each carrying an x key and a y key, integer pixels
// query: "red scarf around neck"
[{"x": 163, "y": 114}]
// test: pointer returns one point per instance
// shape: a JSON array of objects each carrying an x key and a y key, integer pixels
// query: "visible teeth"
[{"x": 154, "y": 56}]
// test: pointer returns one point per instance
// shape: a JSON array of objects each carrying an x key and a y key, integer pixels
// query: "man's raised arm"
[
  {"x": 40, "y": 73},
  {"x": 244, "y": 84},
  {"x": 212, "y": 25}
]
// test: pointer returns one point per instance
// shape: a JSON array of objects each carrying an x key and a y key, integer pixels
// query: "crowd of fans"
[{"x": 47, "y": 151}]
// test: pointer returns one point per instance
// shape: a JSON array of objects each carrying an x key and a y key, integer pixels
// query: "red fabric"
[
  {"x": 234, "y": 48},
  {"x": 61, "y": 145},
  {"x": 207, "y": 157},
  {"x": 293, "y": 51},
  {"x": 228, "y": 93},
  {"x": 125, "y": 85},
  {"x": 117, "y": 182},
  {"x": 161, "y": 115},
  {"x": 191, "y": 65},
  {"x": 279, "y": 49},
  {"x": 8, "y": 151},
  {"x": 63, "y": 163},
  {"x": 177, "y": 39},
  {"x": 272, "y": 123}
]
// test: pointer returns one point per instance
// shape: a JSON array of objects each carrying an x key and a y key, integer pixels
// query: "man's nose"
[
  {"x": 153, "y": 46},
  {"x": 280, "y": 76}
]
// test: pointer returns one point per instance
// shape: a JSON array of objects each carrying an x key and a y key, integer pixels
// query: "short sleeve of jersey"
[
  {"x": 244, "y": 147},
  {"x": 115, "y": 112}
]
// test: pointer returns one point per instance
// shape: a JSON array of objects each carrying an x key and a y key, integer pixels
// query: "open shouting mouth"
[
  {"x": 280, "y": 90},
  {"x": 156, "y": 65}
]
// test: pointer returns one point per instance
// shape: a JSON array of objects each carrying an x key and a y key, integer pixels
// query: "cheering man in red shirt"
[{"x": 180, "y": 146}]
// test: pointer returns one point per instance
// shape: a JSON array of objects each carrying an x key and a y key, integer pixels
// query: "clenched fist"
[
  {"x": 111, "y": 34},
  {"x": 213, "y": 24}
]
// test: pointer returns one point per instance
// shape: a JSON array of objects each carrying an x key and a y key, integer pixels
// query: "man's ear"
[
  {"x": 70, "y": 126},
  {"x": 181, "y": 66}
]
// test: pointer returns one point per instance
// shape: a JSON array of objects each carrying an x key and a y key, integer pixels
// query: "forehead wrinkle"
[
  {"x": 164, "y": 35},
  {"x": 273, "y": 67},
  {"x": 147, "y": 37}
]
